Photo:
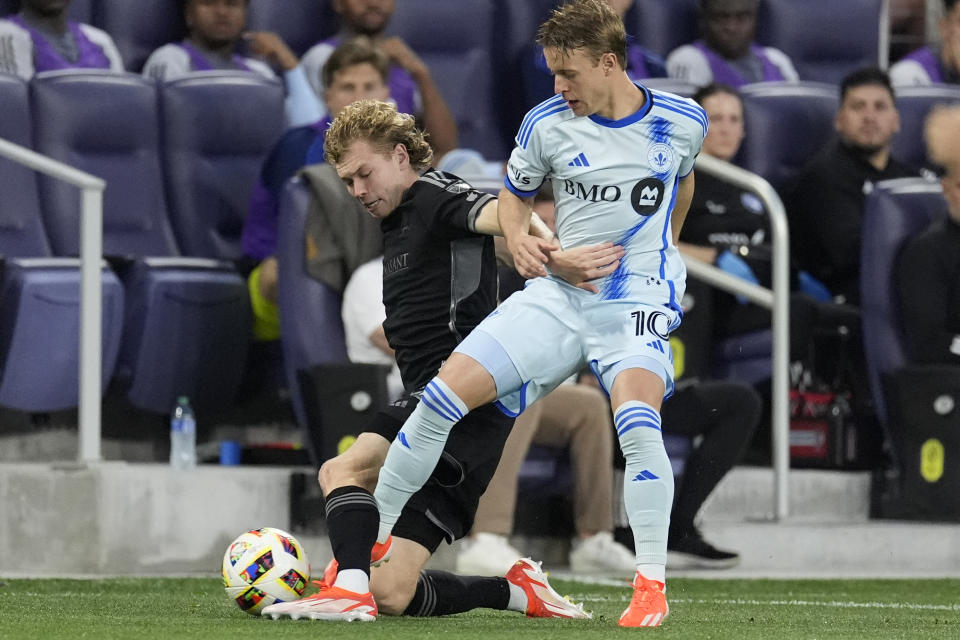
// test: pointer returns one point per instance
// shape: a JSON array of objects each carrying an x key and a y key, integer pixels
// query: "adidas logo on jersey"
[
  {"x": 646, "y": 474},
  {"x": 656, "y": 344},
  {"x": 579, "y": 161}
]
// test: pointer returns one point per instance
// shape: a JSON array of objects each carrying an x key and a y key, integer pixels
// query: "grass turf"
[{"x": 769, "y": 609}]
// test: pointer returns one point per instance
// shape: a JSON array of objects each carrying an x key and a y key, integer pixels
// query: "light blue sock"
[
  {"x": 414, "y": 453},
  {"x": 647, "y": 481}
]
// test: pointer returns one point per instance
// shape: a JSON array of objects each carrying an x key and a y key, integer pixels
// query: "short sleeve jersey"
[
  {"x": 615, "y": 180},
  {"x": 439, "y": 276}
]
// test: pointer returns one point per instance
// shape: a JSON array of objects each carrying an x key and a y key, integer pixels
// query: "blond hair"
[
  {"x": 585, "y": 24},
  {"x": 942, "y": 134},
  {"x": 380, "y": 125}
]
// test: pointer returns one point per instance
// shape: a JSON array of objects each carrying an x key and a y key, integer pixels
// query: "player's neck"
[
  {"x": 625, "y": 100},
  {"x": 56, "y": 24}
]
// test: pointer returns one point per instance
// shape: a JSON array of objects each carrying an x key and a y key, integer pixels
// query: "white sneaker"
[
  {"x": 600, "y": 554},
  {"x": 487, "y": 554}
]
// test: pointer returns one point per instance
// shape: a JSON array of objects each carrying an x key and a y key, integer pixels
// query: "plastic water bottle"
[{"x": 183, "y": 436}]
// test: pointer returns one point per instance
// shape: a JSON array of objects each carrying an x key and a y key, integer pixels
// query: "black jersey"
[{"x": 439, "y": 276}]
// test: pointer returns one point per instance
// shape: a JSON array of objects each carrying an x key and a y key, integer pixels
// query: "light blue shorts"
[{"x": 542, "y": 335}]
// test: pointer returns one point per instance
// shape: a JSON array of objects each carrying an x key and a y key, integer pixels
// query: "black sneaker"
[{"x": 691, "y": 551}]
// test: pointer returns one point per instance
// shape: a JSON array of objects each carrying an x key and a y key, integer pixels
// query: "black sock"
[
  {"x": 352, "y": 522},
  {"x": 440, "y": 593}
]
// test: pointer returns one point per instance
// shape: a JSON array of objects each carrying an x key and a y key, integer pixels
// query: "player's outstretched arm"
[
  {"x": 529, "y": 252},
  {"x": 681, "y": 206}
]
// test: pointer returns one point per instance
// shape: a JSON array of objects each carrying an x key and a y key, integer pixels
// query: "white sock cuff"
[
  {"x": 634, "y": 413},
  {"x": 443, "y": 401}
]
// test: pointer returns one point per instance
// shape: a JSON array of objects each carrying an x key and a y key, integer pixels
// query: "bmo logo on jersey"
[
  {"x": 593, "y": 192},
  {"x": 647, "y": 195}
]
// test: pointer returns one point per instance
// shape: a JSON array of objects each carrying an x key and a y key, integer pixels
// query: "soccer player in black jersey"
[{"x": 439, "y": 282}]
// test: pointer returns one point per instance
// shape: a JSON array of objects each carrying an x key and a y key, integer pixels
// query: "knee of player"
[
  {"x": 393, "y": 591},
  {"x": 342, "y": 471}
]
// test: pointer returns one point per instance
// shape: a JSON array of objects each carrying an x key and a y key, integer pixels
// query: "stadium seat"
[
  {"x": 39, "y": 294},
  {"x": 79, "y": 11},
  {"x": 824, "y": 39},
  {"x": 914, "y": 103},
  {"x": 773, "y": 150},
  {"x": 663, "y": 25},
  {"x": 217, "y": 128},
  {"x": 894, "y": 211},
  {"x": 301, "y": 23},
  {"x": 309, "y": 310},
  {"x": 456, "y": 43},
  {"x": 139, "y": 27},
  {"x": 187, "y": 320}
]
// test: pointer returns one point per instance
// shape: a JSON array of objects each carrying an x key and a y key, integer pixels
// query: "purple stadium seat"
[
  {"x": 309, "y": 310},
  {"x": 777, "y": 152},
  {"x": 40, "y": 295},
  {"x": 895, "y": 210},
  {"x": 187, "y": 321},
  {"x": 80, "y": 10},
  {"x": 139, "y": 27},
  {"x": 663, "y": 25},
  {"x": 456, "y": 43},
  {"x": 914, "y": 103},
  {"x": 825, "y": 49},
  {"x": 301, "y": 23},
  {"x": 217, "y": 127}
]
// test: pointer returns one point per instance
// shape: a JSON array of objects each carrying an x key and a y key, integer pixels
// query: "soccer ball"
[{"x": 264, "y": 566}]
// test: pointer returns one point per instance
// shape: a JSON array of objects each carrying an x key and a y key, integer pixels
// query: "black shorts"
[{"x": 446, "y": 505}]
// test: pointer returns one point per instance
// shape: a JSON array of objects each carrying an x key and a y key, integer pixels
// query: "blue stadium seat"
[
  {"x": 310, "y": 320},
  {"x": 139, "y": 27},
  {"x": 894, "y": 211},
  {"x": 455, "y": 40},
  {"x": 773, "y": 150},
  {"x": 663, "y": 25},
  {"x": 217, "y": 128},
  {"x": 301, "y": 23},
  {"x": 187, "y": 321},
  {"x": 79, "y": 11},
  {"x": 914, "y": 103},
  {"x": 40, "y": 295},
  {"x": 825, "y": 40}
]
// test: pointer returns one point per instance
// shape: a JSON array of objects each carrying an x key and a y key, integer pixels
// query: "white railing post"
[
  {"x": 91, "y": 311},
  {"x": 777, "y": 299}
]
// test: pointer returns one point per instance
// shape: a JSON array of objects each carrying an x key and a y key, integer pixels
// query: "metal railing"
[
  {"x": 776, "y": 299},
  {"x": 91, "y": 256}
]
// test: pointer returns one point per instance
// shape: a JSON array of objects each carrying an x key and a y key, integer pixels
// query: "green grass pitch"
[{"x": 739, "y": 609}]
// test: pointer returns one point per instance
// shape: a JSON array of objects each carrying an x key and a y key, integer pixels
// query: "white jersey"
[
  {"x": 615, "y": 181},
  {"x": 16, "y": 48}
]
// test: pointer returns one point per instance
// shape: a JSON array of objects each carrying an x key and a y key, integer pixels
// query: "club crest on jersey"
[
  {"x": 661, "y": 157},
  {"x": 647, "y": 195}
]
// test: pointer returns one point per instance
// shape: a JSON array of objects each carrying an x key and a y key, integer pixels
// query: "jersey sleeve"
[
  {"x": 166, "y": 63},
  {"x": 697, "y": 132},
  {"x": 688, "y": 63},
  {"x": 16, "y": 50},
  {"x": 103, "y": 40},
  {"x": 528, "y": 166},
  {"x": 458, "y": 206}
]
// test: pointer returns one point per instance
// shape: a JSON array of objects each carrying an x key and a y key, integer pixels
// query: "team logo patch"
[
  {"x": 661, "y": 157},
  {"x": 457, "y": 187},
  {"x": 647, "y": 195}
]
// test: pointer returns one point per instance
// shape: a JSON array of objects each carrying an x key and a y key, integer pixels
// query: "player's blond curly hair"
[
  {"x": 585, "y": 24},
  {"x": 380, "y": 125},
  {"x": 942, "y": 133}
]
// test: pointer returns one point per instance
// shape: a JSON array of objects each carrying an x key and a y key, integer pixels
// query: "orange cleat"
[
  {"x": 542, "y": 600},
  {"x": 329, "y": 603},
  {"x": 648, "y": 607}
]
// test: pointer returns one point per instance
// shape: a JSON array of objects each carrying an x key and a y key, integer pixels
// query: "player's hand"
[
  {"x": 402, "y": 55},
  {"x": 272, "y": 48},
  {"x": 530, "y": 254},
  {"x": 579, "y": 265}
]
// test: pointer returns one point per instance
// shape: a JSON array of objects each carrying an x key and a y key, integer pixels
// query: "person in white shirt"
[
  {"x": 215, "y": 31},
  {"x": 40, "y": 38},
  {"x": 935, "y": 63},
  {"x": 727, "y": 53}
]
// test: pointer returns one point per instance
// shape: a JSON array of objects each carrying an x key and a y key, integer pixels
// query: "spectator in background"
[
  {"x": 411, "y": 85},
  {"x": 934, "y": 64},
  {"x": 215, "y": 32},
  {"x": 727, "y": 52},
  {"x": 928, "y": 270},
  {"x": 40, "y": 38},
  {"x": 356, "y": 70},
  {"x": 825, "y": 204}
]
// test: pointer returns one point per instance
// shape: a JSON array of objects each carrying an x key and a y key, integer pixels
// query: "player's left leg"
[{"x": 648, "y": 489}]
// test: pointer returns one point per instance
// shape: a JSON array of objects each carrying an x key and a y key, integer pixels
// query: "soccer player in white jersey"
[{"x": 621, "y": 160}]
